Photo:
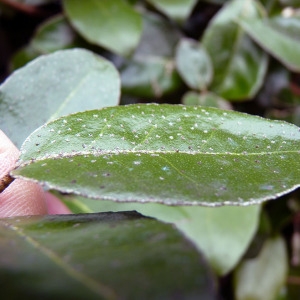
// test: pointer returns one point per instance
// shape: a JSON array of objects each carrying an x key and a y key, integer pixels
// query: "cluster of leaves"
[{"x": 234, "y": 55}]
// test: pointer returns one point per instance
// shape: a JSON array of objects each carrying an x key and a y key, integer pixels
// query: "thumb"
[{"x": 20, "y": 197}]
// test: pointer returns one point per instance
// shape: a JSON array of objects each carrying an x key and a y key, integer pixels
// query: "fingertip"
[{"x": 55, "y": 206}]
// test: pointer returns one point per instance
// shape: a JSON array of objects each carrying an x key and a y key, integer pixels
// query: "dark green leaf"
[
  {"x": 175, "y": 9},
  {"x": 99, "y": 256},
  {"x": 205, "y": 99},
  {"x": 279, "y": 36},
  {"x": 239, "y": 64},
  {"x": 219, "y": 233},
  {"x": 176, "y": 155},
  {"x": 112, "y": 24},
  {"x": 54, "y": 85},
  {"x": 194, "y": 64},
  {"x": 263, "y": 277}
]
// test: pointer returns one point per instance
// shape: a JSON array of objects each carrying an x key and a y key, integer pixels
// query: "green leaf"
[
  {"x": 279, "y": 36},
  {"x": 239, "y": 64},
  {"x": 263, "y": 277},
  {"x": 194, "y": 64},
  {"x": 222, "y": 234},
  {"x": 112, "y": 24},
  {"x": 176, "y": 155},
  {"x": 54, "y": 85},
  {"x": 99, "y": 256},
  {"x": 175, "y": 9},
  {"x": 54, "y": 34},
  {"x": 205, "y": 99},
  {"x": 151, "y": 72},
  {"x": 153, "y": 77}
]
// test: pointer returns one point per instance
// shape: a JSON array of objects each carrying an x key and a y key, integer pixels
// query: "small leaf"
[
  {"x": 239, "y": 64},
  {"x": 99, "y": 256},
  {"x": 205, "y": 99},
  {"x": 153, "y": 77},
  {"x": 279, "y": 36},
  {"x": 222, "y": 234},
  {"x": 194, "y": 64},
  {"x": 54, "y": 34},
  {"x": 112, "y": 24},
  {"x": 263, "y": 277},
  {"x": 176, "y": 155},
  {"x": 54, "y": 85},
  {"x": 175, "y": 9},
  {"x": 151, "y": 72}
]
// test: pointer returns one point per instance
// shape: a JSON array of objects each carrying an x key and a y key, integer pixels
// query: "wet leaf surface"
[
  {"x": 99, "y": 256},
  {"x": 191, "y": 155}
]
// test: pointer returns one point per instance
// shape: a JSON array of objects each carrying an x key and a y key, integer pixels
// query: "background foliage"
[{"x": 238, "y": 55}]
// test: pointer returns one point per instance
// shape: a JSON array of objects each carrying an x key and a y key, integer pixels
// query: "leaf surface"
[
  {"x": 175, "y": 9},
  {"x": 205, "y": 99},
  {"x": 279, "y": 36},
  {"x": 99, "y": 256},
  {"x": 54, "y": 85},
  {"x": 112, "y": 24},
  {"x": 239, "y": 64},
  {"x": 194, "y": 64},
  {"x": 176, "y": 155},
  {"x": 151, "y": 72},
  {"x": 263, "y": 277},
  {"x": 222, "y": 234}
]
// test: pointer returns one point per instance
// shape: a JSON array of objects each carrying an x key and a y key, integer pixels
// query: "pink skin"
[{"x": 22, "y": 198}]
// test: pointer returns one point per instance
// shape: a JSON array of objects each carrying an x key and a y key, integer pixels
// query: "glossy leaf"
[
  {"x": 263, "y": 277},
  {"x": 54, "y": 85},
  {"x": 112, "y": 24},
  {"x": 99, "y": 256},
  {"x": 205, "y": 99},
  {"x": 194, "y": 64},
  {"x": 279, "y": 36},
  {"x": 176, "y": 155},
  {"x": 239, "y": 64},
  {"x": 222, "y": 234},
  {"x": 175, "y": 9}
]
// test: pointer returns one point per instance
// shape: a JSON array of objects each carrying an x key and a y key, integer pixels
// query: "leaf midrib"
[{"x": 103, "y": 153}]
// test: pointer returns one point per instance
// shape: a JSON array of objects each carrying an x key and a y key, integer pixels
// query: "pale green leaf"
[
  {"x": 263, "y": 277},
  {"x": 112, "y": 24},
  {"x": 54, "y": 85},
  {"x": 99, "y": 256},
  {"x": 176, "y": 155},
  {"x": 279, "y": 36},
  {"x": 205, "y": 99},
  {"x": 52, "y": 35},
  {"x": 175, "y": 9},
  {"x": 194, "y": 64},
  {"x": 239, "y": 64},
  {"x": 222, "y": 234}
]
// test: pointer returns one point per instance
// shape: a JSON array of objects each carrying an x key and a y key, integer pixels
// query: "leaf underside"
[{"x": 176, "y": 155}]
